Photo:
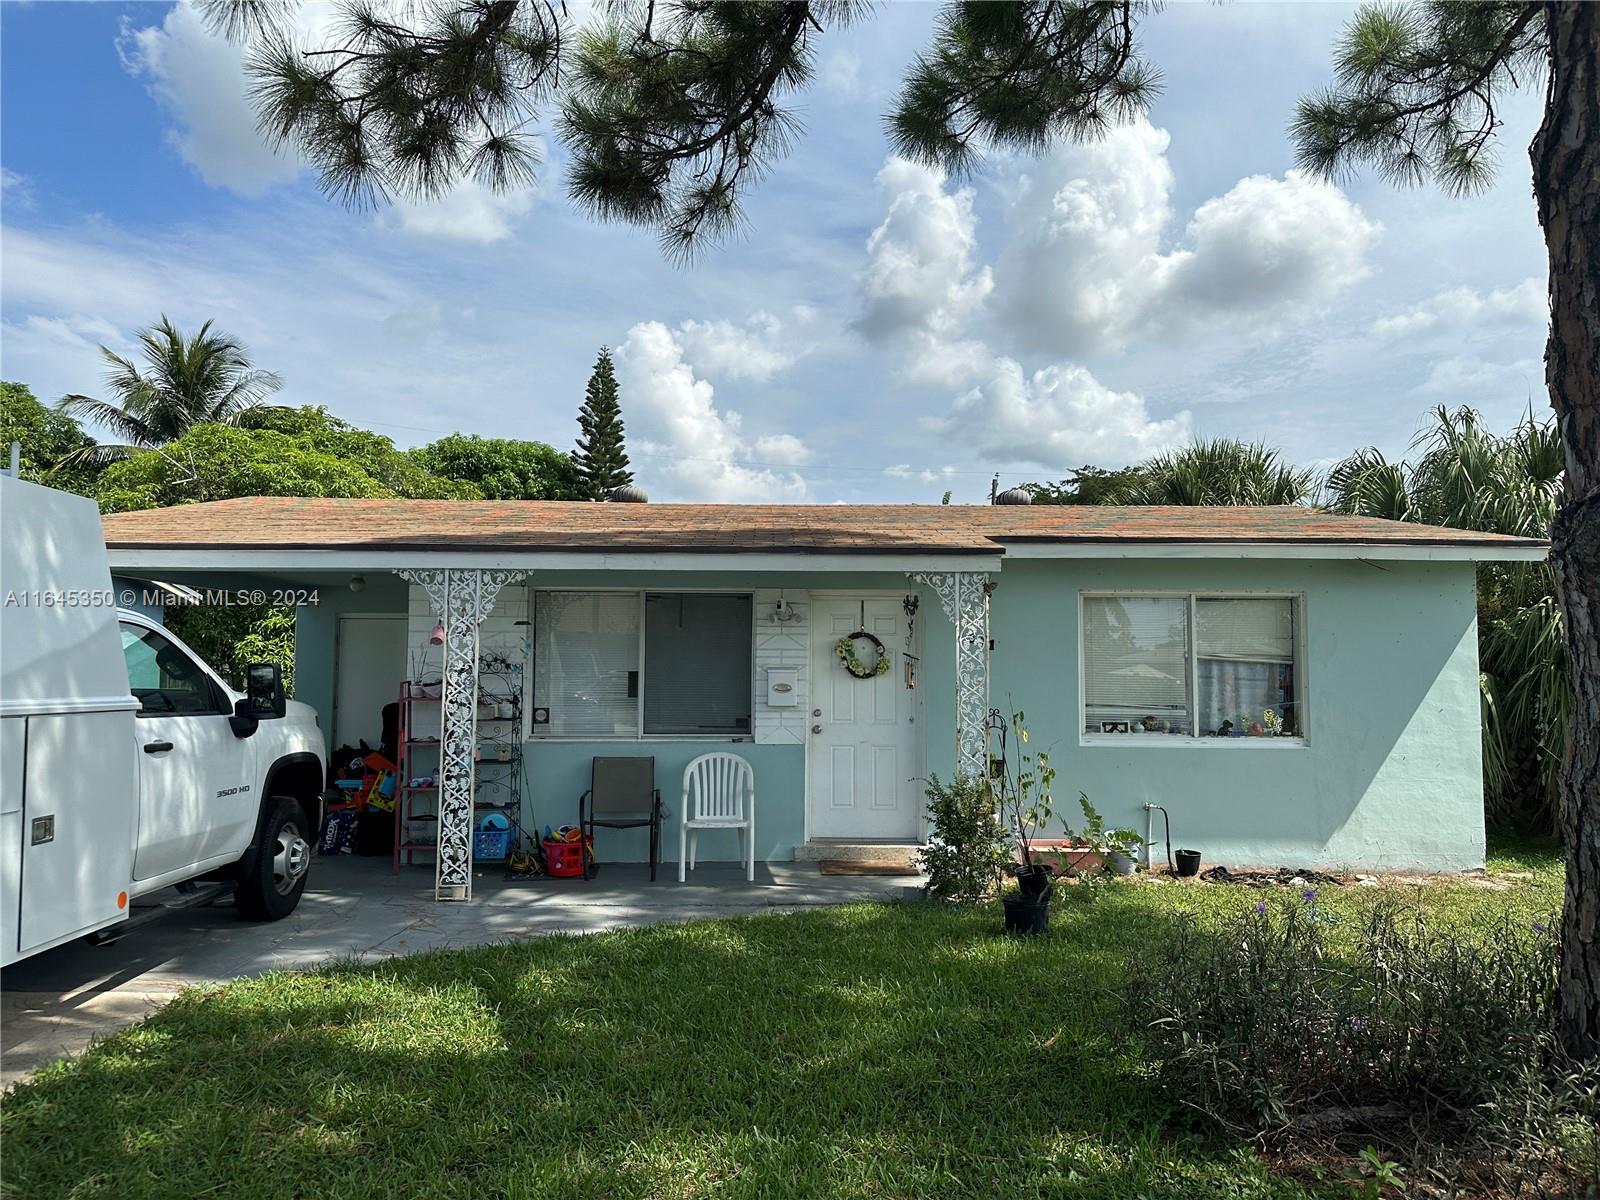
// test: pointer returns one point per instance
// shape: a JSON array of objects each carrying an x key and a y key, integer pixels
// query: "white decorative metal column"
[
  {"x": 964, "y": 596},
  {"x": 461, "y": 597}
]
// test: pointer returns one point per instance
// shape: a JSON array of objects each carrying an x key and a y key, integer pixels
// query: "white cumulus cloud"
[
  {"x": 1059, "y": 417},
  {"x": 755, "y": 350},
  {"x": 696, "y": 450},
  {"x": 199, "y": 80},
  {"x": 783, "y": 450},
  {"x": 1463, "y": 306},
  {"x": 921, "y": 282},
  {"x": 1087, "y": 267}
]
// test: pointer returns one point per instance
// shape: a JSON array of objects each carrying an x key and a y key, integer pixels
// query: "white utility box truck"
[{"x": 127, "y": 765}]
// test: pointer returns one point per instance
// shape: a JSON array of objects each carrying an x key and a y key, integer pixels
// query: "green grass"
[{"x": 871, "y": 1050}]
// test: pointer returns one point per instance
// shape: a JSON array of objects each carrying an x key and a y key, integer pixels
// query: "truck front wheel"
[{"x": 274, "y": 877}]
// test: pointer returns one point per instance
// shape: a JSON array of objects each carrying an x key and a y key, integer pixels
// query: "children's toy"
[{"x": 564, "y": 851}]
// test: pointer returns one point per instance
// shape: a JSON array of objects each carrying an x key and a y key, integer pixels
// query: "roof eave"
[
  {"x": 134, "y": 557},
  {"x": 1510, "y": 551}
]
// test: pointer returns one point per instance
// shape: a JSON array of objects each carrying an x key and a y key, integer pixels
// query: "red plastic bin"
[{"x": 563, "y": 859}]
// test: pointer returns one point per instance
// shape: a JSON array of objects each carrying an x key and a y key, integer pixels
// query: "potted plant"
[
  {"x": 1114, "y": 850},
  {"x": 1023, "y": 791}
]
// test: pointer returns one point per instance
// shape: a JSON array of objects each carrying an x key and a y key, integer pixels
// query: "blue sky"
[{"x": 879, "y": 333}]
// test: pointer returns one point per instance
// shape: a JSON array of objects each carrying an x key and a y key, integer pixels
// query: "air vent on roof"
[
  {"x": 1014, "y": 495},
  {"x": 629, "y": 494}
]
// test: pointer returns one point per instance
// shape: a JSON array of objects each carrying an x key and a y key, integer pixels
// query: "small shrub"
[
  {"x": 1281, "y": 1024},
  {"x": 967, "y": 850}
]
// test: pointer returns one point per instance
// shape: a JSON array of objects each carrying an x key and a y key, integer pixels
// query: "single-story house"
[{"x": 1294, "y": 687}]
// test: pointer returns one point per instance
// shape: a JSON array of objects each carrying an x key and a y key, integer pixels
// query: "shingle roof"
[{"x": 294, "y": 523}]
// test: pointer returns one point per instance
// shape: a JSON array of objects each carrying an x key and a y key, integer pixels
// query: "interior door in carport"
[{"x": 371, "y": 666}]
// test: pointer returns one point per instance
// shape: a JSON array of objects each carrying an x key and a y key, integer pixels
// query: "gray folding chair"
[{"x": 622, "y": 795}]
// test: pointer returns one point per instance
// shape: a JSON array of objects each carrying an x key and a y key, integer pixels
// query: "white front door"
[{"x": 864, "y": 763}]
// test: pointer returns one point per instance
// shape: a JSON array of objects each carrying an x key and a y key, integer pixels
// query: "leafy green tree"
[
  {"x": 232, "y": 637},
  {"x": 601, "y": 460},
  {"x": 187, "y": 381},
  {"x": 1221, "y": 471},
  {"x": 397, "y": 472},
  {"x": 668, "y": 110},
  {"x": 1470, "y": 478},
  {"x": 47, "y": 437},
  {"x": 502, "y": 468},
  {"x": 1087, "y": 485},
  {"x": 288, "y": 452}
]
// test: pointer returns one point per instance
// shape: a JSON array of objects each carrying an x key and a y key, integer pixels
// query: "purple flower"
[
  {"x": 1538, "y": 926},
  {"x": 1357, "y": 1024},
  {"x": 1309, "y": 895},
  {"x": 1261, "y": 906}
]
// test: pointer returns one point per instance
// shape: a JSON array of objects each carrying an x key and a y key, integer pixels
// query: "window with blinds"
[
  {"x": 1136, "y": 664},
  {"x": 586, "y": 664},
  {"x": 1191, "y": 666},
  {"x": 631, "y": 664}
]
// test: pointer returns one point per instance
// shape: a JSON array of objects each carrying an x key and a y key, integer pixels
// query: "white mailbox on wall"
[{"x": 783, "y": 687}]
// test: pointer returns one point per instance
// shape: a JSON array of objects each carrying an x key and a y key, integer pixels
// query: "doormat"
[{"x": 842, "y": 866}]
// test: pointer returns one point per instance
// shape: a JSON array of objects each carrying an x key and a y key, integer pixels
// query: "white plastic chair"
[{"x": 719, "y": 792}]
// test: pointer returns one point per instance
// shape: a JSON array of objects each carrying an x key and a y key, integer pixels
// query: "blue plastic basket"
[{"x": 491, "y": 843}]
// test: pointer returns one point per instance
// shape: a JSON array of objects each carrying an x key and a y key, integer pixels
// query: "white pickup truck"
[{"x": 127, "y": 765}]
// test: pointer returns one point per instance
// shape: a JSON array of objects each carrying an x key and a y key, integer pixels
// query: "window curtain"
[{"x": 1245, "y": 652}]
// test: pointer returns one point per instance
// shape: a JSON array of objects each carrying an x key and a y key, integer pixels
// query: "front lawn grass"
[{"x": 865, "y": 1051}]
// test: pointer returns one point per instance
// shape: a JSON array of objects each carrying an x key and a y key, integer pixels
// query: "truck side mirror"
[
  {"x": 243, "y": 722},
  {"x": 264, "y": 690}
]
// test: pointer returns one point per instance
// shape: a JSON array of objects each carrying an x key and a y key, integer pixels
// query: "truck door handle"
[{"x": 156, "y": 747}]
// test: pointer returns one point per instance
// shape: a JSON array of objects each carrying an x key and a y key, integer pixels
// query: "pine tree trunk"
[{"x": 1566, "y": 184}]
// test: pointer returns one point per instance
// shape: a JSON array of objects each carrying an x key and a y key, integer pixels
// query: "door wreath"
[{"x": 845, "y": 648}]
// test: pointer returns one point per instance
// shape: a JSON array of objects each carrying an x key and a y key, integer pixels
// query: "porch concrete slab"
[{"x": 56, "y": 1003}]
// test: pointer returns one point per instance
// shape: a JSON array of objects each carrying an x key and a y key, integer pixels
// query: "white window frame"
[
  {"x": 1195, "y": 739},
  {"x": 530, "y": 730}
]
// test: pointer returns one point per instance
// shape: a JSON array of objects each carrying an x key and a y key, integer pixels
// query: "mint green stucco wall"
[
  {"x": 316, "y": 631},
  {"x": 558, "y": 773},
  {"x": 1391, "y": 774}
]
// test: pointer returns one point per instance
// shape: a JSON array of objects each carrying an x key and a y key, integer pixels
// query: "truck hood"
[{"x": 300, "y": 713}]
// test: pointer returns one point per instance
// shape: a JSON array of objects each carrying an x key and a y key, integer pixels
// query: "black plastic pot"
[
  {"x": 1027, "y": 915},
  {"x": 1188, "y": 863},
  {"x": 1033, "y": 881}
]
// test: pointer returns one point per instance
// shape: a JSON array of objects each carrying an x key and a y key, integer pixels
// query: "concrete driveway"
[{"x": 54, "y": 1004}]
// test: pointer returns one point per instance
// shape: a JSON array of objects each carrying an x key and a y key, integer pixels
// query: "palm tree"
[
  {"x": 1223, "y": 471},
  {"x": 1470, "y": 478},
  {"x": 205, "y": 379}
]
